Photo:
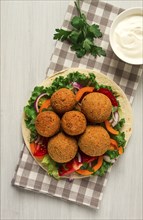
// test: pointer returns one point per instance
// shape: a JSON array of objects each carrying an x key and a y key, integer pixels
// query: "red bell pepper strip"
[{"x": 109, "y": 94}]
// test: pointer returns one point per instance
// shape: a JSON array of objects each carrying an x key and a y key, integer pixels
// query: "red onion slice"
[
  {"x": 38, "y": 139},
  {"x": 77, "y": 85},
  {"x": 37, "y": 100}
]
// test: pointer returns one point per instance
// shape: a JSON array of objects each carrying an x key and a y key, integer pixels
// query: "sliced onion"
[
  {"x": 38, "y": 139},
  {"x": 79, "y": 157},
  {"x": 37, "y": 100},
  {"x": 77, "y": 85},
  {"x": 107, "y": 159},
  {"x": 115, "y": 119},
  {"x": 111, "y": 120}
]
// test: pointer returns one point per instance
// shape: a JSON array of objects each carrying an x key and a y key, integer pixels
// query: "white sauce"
[{"x": 128, "y": 37}]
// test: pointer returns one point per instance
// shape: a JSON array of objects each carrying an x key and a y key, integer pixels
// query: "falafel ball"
[
  {"x": 63, "y": 100},
  {"x": 62, "y": 148},
  {"x": 95, "y": 141},
  {"x": 97, "y": 107},
  {"x": 73, "y": 123},
  {"x": 47, "y": 123}
]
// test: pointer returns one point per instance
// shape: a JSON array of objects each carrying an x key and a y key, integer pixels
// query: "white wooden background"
[{"x": 27, "y": 29}]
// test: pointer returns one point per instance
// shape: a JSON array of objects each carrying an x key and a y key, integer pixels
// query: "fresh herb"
[
  {"x": 82, "y": 35},
  {"x": 103, "y": 169}
]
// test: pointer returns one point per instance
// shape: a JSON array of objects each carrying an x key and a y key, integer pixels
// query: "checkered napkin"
[{"x": 87, "y": 191}]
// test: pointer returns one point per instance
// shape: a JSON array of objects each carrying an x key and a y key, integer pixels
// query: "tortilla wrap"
[{"x": 101, "y": 79}]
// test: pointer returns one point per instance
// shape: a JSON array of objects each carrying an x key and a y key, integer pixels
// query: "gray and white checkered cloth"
[{"x": 87, "y": 191}]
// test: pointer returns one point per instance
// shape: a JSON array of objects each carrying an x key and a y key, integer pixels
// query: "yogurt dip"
[{"x": 126, "y": 37}]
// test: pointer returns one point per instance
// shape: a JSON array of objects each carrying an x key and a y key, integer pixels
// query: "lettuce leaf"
[
  {"x": 120, "y": 124},
  {"x": 120, "y": 138},
  {"x": 112, "y": 154},
  {"x": 51, "y": 166},
  {"x": 103, "y": 169}
]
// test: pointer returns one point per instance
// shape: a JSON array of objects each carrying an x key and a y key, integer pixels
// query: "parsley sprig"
[{"x": 82, "y": 36}]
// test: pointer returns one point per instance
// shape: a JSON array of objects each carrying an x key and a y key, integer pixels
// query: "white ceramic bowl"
[{"x": 120, "y": 18}]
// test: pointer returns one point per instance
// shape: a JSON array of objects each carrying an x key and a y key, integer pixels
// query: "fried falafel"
[
  {"x": 96, "y": 107},
  {"x": 73, "y": 123},
  {"x": 63, "y": 100},
  {"x": 62, "y": 148},
  {"x": 47, "y": 123},
  {"x": 95, "y": 141}
]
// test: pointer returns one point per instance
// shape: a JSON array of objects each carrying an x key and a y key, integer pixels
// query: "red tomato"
[{"x": 74, "y": 165}]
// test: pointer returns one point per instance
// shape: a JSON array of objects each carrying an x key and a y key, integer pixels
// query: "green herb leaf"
[
  {"x": 87, "y": 43},
  {"x": 61, "y": 34},
  {"x": 82, "y": 35},
  {"x": 94, "y": 29},
  {"x": 74, "y": 36},
  {"x": 97, "y": 51},
  {"x": 77, "y": 22}
]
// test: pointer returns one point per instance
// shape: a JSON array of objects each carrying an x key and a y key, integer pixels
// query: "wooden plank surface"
[{"x": 27, "y": 29}]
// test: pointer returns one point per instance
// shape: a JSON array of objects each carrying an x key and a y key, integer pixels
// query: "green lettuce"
[
  {"x": 103, "y": 169},
  {"x": 51, "y": 166},
  {"x": 120, "y": 124}
]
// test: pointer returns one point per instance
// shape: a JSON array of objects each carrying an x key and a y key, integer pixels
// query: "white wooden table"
[{"x": 27, "y": 29}]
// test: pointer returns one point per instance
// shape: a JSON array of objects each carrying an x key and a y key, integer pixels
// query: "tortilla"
[{"x": 101, "y": 79}]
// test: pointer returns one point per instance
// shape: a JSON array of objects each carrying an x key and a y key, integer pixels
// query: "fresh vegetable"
[
  {"x": 82, "y": 91},
  {"x": 75, "y": 164},
  {"x": 110, "y": 128},
  {"x": 32, "y": 147},
  {"x": 77, "y": 85},
  {"x": 107, "y": 159},
  {"x": 103, "y": 169},
  {"x": 109, "y": 94},
  {"x": 82, "y": 36},
  {"x": 120, "y": 149},
  {"x": 51, "y": 166},
  {"x": 45, "y": 105},
  {"x": 38, "y": 150},
  {"x": 120, "y": 138},
  {"x": 120, "y": 124},
  {"x": 69, "y": 167},
  {"x": 114, "y": 143},
  {"x": 37, "y": 101},
  {"x": 94, "y": 168},
  {"x": 112, "y": 153}
]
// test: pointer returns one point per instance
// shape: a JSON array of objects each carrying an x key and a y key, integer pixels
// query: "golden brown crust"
[
  {"x": 97, "y": 107},
  {"x": 63, "y": 100},
  {"x": 47, "y": 123},
  {"x": 95, "y": 141},
  {"x": 62, "y": 148},
  {"x": 73, "y": 123}
]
